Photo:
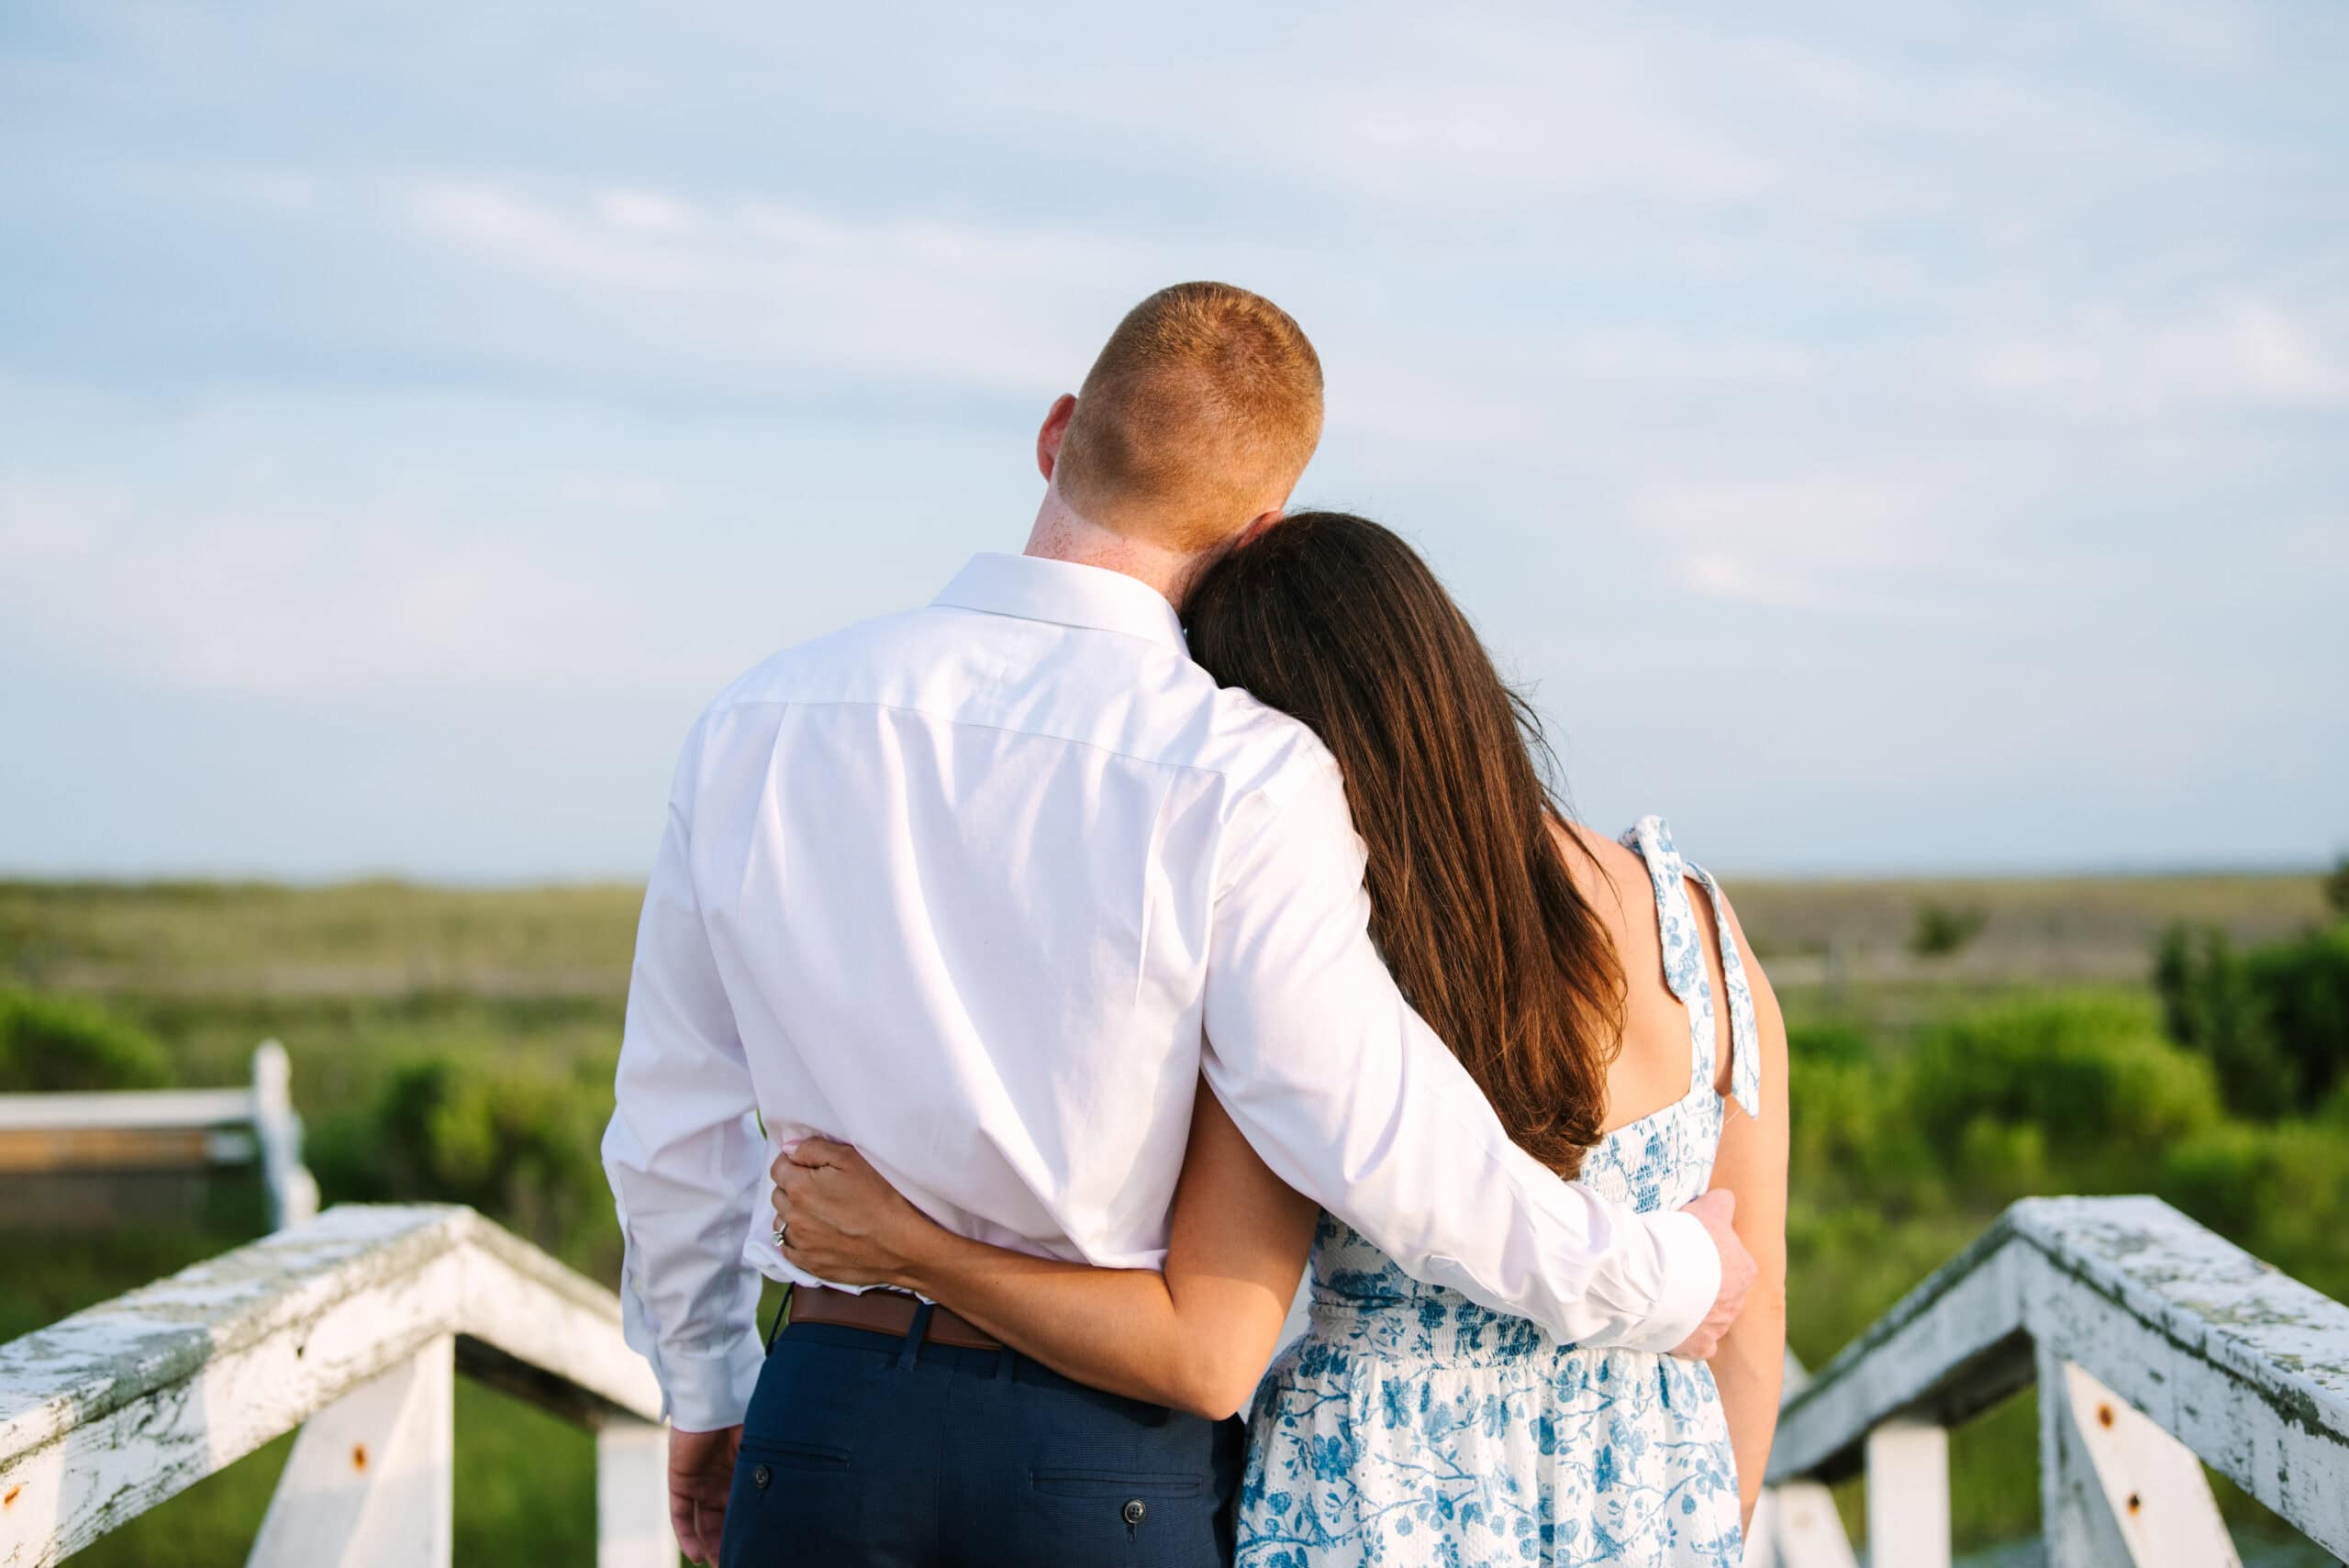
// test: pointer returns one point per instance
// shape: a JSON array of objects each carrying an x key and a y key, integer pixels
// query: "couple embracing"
[{"x": 1073, "y": 962}]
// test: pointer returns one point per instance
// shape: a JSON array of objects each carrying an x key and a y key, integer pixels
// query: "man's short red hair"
[{"x": 1206, "y": 401}]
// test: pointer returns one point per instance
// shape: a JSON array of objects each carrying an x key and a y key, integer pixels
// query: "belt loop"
[
  {"x": 1003, "y": 1362},
  {"x": 782, "y": 1311},
  {"x": 915, "y": 1335}
]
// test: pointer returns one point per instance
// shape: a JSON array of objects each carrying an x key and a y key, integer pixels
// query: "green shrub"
[
  {"x": 2336, "y": 888},
  {"x": 1840, "y": 1043},
  {"x": 1851, "y": 1141},
  {"x": 2091, "y": 1073},
  {"x": 52, "y": 1043},
  {"x": 1943, "y": 930},
  {"x": 2274, "y": 1022},
  {"x": 2004, "y": 1160},
  {"x": 2303, "y": 988},
  {"x": 2210, "y": 1176},
  {"x": 516, "y": 1140}
]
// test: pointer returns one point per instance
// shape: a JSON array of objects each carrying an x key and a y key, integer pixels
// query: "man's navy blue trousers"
[{"x": 863, "y": 1449}]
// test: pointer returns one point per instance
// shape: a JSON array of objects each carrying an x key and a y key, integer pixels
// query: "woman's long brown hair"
[{"x": 1336, "y": 621}]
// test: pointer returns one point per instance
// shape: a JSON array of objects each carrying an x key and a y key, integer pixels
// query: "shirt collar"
[{"x": 1065, "y": 593}]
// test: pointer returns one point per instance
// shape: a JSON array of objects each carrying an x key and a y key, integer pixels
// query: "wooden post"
[
  {"x": 1794, "y": 1522},
  {"x": 1761, "y": 1548},
  {"x": 2114, "y": 1487},
  {"x": 1908, "y": 1495},
  {"x": 293, "y": 1191},
  {"x": 632, "y": 1496},
  {"x": 1795, "y": 1526},
  {"x": 368, "y": 1483}
]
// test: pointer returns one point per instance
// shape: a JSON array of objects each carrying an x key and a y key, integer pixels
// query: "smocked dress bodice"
[{"x": 1411, "y": 1426}]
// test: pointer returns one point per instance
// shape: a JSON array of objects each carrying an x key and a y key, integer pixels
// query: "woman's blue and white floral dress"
[{"x": 1410, "y": 1426}]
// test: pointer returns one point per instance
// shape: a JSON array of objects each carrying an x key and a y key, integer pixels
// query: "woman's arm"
[
  {"x": 1196, "y": 1337},
  {"x": 1751, "y": 1163}
]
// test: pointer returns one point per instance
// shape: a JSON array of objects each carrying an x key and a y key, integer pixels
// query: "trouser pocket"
[
  {"x": 1158, "y": 1515},
  {"x": 790, "y": 1500},
  {"x": 819, "y": 1424}
]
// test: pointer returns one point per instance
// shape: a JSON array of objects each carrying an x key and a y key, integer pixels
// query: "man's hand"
[
  {"x": 701, "y": 1471},
  {"x": 1714, "y": 1211}
]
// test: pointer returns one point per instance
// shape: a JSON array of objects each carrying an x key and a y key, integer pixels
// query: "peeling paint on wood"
[
  {"x": 112, "y": 1410},
  {"x": 2247, "y": 1368}
]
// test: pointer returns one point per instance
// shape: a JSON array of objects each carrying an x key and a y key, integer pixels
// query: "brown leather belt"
[{"x": 886, "y": 1312}]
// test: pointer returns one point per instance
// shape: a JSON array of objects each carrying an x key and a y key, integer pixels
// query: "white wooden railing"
[
  {"x": 2157, "y": 1348},
  {"x": 142, "y": 1129},
  {"x": 351, "y": 1327}
]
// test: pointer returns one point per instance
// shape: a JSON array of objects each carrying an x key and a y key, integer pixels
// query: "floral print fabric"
[{"x": 1410, "y": 1426}]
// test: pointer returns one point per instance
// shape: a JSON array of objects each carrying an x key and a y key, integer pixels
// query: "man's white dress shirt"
[{"x": 984, "y": 889}]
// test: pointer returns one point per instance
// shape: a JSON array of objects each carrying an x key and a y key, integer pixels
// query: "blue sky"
[{"x": 1890, "y": 437}]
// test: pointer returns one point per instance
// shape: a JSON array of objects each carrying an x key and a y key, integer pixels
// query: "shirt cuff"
[
  {"x": 1691, "y": 1282},
  {"x": 707, "y": 1392}
]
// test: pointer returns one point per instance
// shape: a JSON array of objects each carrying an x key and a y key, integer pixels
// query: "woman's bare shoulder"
[{"x": 1614, "y": 879}]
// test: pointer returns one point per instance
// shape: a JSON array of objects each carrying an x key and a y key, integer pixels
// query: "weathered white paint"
[
  {"x": 369, "y": 1479},
  {"x": 1956, "y": 1317},
  {"x": 112, "y": 1410},
  {"x": 1908, "y": 1495},
  {"x": 2247, "y": 1369},
  {"x": 632, "y": 1496},
  {"x": 2116, "y": 1489}
]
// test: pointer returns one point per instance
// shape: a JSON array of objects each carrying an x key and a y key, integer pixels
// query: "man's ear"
[
  {"x": 1048, "y": 439},
  {"x": 1256, "y": 528}
]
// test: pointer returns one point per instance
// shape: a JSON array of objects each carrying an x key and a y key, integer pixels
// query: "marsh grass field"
[{"x": 458, "y": 1044}]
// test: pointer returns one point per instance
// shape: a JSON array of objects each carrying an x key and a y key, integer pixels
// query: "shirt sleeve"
[
  {"x": 1353, "y": 1100},
  {"x": 683, "y": 1153}
]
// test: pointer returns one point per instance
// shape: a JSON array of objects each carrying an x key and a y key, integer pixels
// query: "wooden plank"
[
  {"x": 127, "y": 1108},
  {"x": 2116, "y": 1489},
  {"x": 1908, "y": 1495},
  {"x": 524, "y": 1303},
  {"x": 1803, "y": 1528},
  {"x": 632, "y": 1496},
  {"x": 31, "y": 1151},
  {"x": 67, "y": 1202},
  {"x": 369, "y": 1480}
]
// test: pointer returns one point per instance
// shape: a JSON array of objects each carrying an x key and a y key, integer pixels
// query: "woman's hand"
[{"x": 841, "y": 1222}]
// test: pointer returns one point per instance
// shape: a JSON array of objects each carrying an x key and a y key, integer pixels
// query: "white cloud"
[
  {"x": 313, "y": 608},
  {"x": 758, "y": 283},
  {"x": 246, "y": 578},
  {"x": 2240, "y": 353},
  {"x": 1801, "y": 543}
]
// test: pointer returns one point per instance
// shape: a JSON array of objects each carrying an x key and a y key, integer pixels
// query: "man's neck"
[{"x": 1061, "y": 534}]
